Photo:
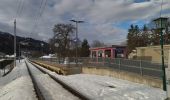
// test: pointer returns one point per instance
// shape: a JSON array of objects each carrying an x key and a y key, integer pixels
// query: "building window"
[
  {"x": 107, "y": 53},
  {"x": 100, "y": 53},
  {"x": 119, "y": 53},
  {"x": 93, "y": 54}
]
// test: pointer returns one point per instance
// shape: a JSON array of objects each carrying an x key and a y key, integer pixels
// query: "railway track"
[
  {"x": 49, "y": 87},
  {"x": 37, "y": 90}
]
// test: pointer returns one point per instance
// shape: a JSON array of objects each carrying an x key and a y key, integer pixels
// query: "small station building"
[{"x": 114, "y": 51}]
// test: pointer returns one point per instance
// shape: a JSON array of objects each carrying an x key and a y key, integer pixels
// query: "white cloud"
[{"x": 99, "y": 16}]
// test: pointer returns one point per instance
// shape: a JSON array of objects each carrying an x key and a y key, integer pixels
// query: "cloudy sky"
[{"x": 105, "y": 20}]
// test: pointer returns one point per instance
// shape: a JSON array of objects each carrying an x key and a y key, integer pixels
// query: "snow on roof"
[
  {"x": 48, "y": 56},
  {"x": 10, "y": 56}
]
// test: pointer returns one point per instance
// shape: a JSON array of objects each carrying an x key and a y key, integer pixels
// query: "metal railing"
[
  {"x": 5, "y": 67},
  {"x": 144, "y": 68},
  {"x": 136, "y": 66}
]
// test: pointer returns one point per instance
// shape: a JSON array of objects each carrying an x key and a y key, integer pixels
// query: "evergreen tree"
[
  {"x": 132, "y": 38},
  {"x": 144, "y": 37},
  {"x": 85, "y": 48}
]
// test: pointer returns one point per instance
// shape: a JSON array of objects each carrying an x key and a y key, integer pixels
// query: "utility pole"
[
  {"x": 76, "y": 42},
  {"x": 77, "y": 21},
  {"x": 162, "y": 56},
  {"x": 19, "y": 51},
  {"x": 160, "y": 24},
  {"x": 15, "y": 43}
]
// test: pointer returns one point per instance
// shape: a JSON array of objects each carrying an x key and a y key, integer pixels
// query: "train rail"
[
  {"x": 35, "y": 71},
  {"x": 37, "y": 90}
]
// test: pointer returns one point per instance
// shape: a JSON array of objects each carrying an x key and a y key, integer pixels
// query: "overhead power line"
[
  {"x": 39, "y": 15},
  {"x": 20, "y": 8},
  {"x": 161, "y": 9}
]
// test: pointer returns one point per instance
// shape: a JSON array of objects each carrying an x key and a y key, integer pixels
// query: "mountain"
[{"x": 26, "y": 44}]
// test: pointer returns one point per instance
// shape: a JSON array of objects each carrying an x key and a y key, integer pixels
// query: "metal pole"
[
  {"x": 162, "y": 56},
  {"x": 15, "y": 43},
  {"x": 119, "y": 63},
  {"x": 77, "y": 21},
  {"x": 141, "y": 72},
  {"x": 19, "y": 52},
  {"x": 76, "y": 41},
  {"x": 59, "y": 55}
]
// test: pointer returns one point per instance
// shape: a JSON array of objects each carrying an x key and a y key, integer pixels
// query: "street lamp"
[
  {"x": 161, "y": 24},
  {"x": 42, "y": 45},
  {"x": 77, "y": 21},
  {"x": 57, "y": 45},
  {"x": 19, "y": 51},
  {"x": 15, "y": 43},
  {"x": 21, "y": 43}
]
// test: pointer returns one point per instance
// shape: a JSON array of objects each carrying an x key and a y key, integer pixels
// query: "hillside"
[{"x": 29, "y": 44}]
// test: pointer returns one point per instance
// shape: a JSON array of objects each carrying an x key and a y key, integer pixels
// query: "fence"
[
  {"x": 145, "y": 68},
  {"x": 136, "y": 66},
  {"x": 5, "y": 67}
]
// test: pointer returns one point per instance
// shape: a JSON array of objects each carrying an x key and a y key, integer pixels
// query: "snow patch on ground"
[
  {"x": 108, "y": 88},
  {"x": 20, "y": 89},
  {"x": 17, "y": 85},
  {"x": 18, "y": 71}
]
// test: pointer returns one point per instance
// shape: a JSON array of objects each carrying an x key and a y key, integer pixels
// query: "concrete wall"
[
  {"x": 123, "y": 75},
  {"x": 153, "y": 53}
]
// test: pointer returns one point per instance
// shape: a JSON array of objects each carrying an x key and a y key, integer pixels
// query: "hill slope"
[{"x": 29, "y": 44}]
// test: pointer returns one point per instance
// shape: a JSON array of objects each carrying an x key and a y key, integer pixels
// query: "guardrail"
[
  {"x": 5, "y": 67},
  {"x": 141, "y": 67}
]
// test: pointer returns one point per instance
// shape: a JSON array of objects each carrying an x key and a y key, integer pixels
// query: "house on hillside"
[{"x": 2, "y": 55}]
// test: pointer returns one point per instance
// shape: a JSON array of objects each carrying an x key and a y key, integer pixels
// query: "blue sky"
[
  {"x": 139, "y": 1},
  {"x": 105, "y": 20},
  {"x": 126, "y": 24}
]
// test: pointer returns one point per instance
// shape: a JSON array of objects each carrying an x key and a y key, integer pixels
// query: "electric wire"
[
  {"x": 161, "y": 9},
  {"x": 39, "y": 15},
  {"x": 20, "y": 8}
]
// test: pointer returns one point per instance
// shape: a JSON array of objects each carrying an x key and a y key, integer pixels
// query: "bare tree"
[
  {"x": 63, "y": 35},
  {"x": 97, "y": 43}
]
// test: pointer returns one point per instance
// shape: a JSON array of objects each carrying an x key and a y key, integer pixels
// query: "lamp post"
[
  {"x": 15, "y": 43},
  {"x": 21, "y": 42},
  {"x": 42, "y": 45},
  {"x": 161, "y": 24},
  {"x": 57, "y": 45},
  {"x": 19, "y": 51},
  {"x": 77, "y": 21}
]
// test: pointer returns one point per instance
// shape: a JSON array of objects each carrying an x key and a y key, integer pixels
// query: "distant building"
[
  {"x": 2, "y": 55},
  {"x": 114, "y": 51},
  {"x": 152, "y": 53}
]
